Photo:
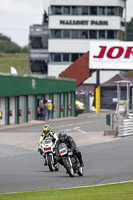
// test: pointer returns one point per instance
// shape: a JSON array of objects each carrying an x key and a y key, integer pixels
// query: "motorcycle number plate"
[
  {"x": 47, "y": 148},
  {"x": 63, "y": 151}
]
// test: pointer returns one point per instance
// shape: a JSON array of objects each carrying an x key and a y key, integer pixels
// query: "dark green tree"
[
  {"x": 3, "y": 37},
  {"x": 25, "y": 49},
  {"x": 9, "y": 47},
  {"x": 129, "y": 30}
]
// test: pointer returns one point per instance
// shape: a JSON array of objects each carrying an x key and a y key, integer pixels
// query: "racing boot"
[
  {"x": 81, "y": 161},
  {"x": 81, "y": 164},
  {"x": 40, "y": 150},
  {"x": 45, "y": 163},
  {"x": 79, "y": 156},
  {"x": 56, "y": 167},
  {"x": 56, "y": 164}
]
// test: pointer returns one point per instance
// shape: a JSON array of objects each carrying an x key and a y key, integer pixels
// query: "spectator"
[
  {"x": 45, "y": 17},
  {"x": 49, "y": 108},
  {"x": 45, "y": 110},
  {"x": 40, "y": 110}
]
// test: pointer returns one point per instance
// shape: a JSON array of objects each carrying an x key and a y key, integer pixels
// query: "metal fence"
[{"x": 109, "y": 98}]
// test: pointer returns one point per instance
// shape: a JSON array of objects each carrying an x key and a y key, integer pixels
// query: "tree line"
[
  {"x": 7, "y": 46},
  {"x": 129, "y": 30}
]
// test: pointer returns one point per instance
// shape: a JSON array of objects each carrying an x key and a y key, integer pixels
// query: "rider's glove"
[
  {"x": 53, "y": 140},
  {"x": 72, "y": 150}
]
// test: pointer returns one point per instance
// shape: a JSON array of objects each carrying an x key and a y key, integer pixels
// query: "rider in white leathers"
[{"x": 47, "y": 132}]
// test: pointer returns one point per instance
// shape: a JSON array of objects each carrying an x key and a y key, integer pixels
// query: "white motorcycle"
[
  {"x": 47, "y": 149},
  {"x": 70, "y": 161}
]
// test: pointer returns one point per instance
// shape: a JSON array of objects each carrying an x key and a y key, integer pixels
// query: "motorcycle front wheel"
[
  {"x": 50, "y": 163},
  {"x": 68, "y": 167}
]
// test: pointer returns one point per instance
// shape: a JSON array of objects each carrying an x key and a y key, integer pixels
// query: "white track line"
[{"x": 114, "y": 183}]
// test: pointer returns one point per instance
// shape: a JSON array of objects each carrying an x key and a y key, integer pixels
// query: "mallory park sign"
[
  {"x": 111, "y": 55},
  {"x": 83, "y": 22}
]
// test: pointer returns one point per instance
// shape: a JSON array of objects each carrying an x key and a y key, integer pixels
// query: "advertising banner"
[{"x": 114, "y": 55}]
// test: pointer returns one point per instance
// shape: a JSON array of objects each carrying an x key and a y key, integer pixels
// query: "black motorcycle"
[{"x": 70, "y": 161}]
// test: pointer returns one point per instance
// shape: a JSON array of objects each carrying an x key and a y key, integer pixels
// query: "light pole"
[{"x": 125, "y": 1}]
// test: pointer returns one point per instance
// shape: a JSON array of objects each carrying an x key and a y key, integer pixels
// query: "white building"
[{"x": 73, "y": 23}]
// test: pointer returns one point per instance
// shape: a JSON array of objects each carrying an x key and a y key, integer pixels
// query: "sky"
[{"x": 16, "y": 16}]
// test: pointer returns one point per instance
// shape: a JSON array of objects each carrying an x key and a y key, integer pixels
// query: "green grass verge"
[
  {"x": 19, "y": 61},
  {"x": 123, "y": 191}
]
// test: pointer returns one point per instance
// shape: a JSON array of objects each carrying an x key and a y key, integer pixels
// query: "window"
[
  {"x": 122, "y": 23},
  {"x": 84, "y": 10},
  {"x": 93, "y": 34},
  {"x": 102, "y": 34},
  {"x": 44, "y": 42},
  {"x": 36, "y": 43},
  {"x": 66, "y": 57},
  {"x": 102, "y": 11},
  {"x": 93, "y": 10},
  {"x": 84, "y": 34},
  {"x": 50, "y": 10},
  {"x": 57, "y": 57},
  {"x": 66, "y": 10},
  {"x": 120, "y": 11},
  {"x": 76, "y": 10},
  {"x": 111, "y": 11},
  {"x": 58, "y": 10},
  {"x": 51, "y": 33},
  {"x": 66, "y": 33},
  {"x": 57, "y": 33},
  {"x": 79, "y": 11},
  {"x": 75, "y": 34},
  {"x": 111, "y": 34},
  {"x": 75, "y": 56}
]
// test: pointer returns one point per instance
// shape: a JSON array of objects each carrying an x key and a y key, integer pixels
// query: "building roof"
[
  {"x": 78, "y": 70},
  {"x": 112, "y": 82}
]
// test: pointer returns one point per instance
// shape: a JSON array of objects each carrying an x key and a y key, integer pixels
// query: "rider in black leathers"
[{"x": 68, "y": 140}]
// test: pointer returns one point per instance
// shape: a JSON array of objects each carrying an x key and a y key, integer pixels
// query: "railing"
[
  {"x": 126, "y": 128},
  {"x": 39, "y": 30},
  {"x": 109, "y": 104}
]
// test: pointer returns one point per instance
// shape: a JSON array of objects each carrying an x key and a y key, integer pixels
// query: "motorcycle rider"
[
  {"x": 68, "y": 140},
  {"x": 47, "y": 132}
]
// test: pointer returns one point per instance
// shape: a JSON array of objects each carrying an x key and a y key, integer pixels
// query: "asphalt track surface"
[{"x": 107, "y": 159}]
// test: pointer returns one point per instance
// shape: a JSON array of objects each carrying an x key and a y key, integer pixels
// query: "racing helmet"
[
  {"x": 46, "y": 130},
  {"x": 62, "y": 136}
]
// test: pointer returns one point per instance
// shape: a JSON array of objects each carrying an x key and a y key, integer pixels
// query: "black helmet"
[{"x": 62, "y": 136}]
